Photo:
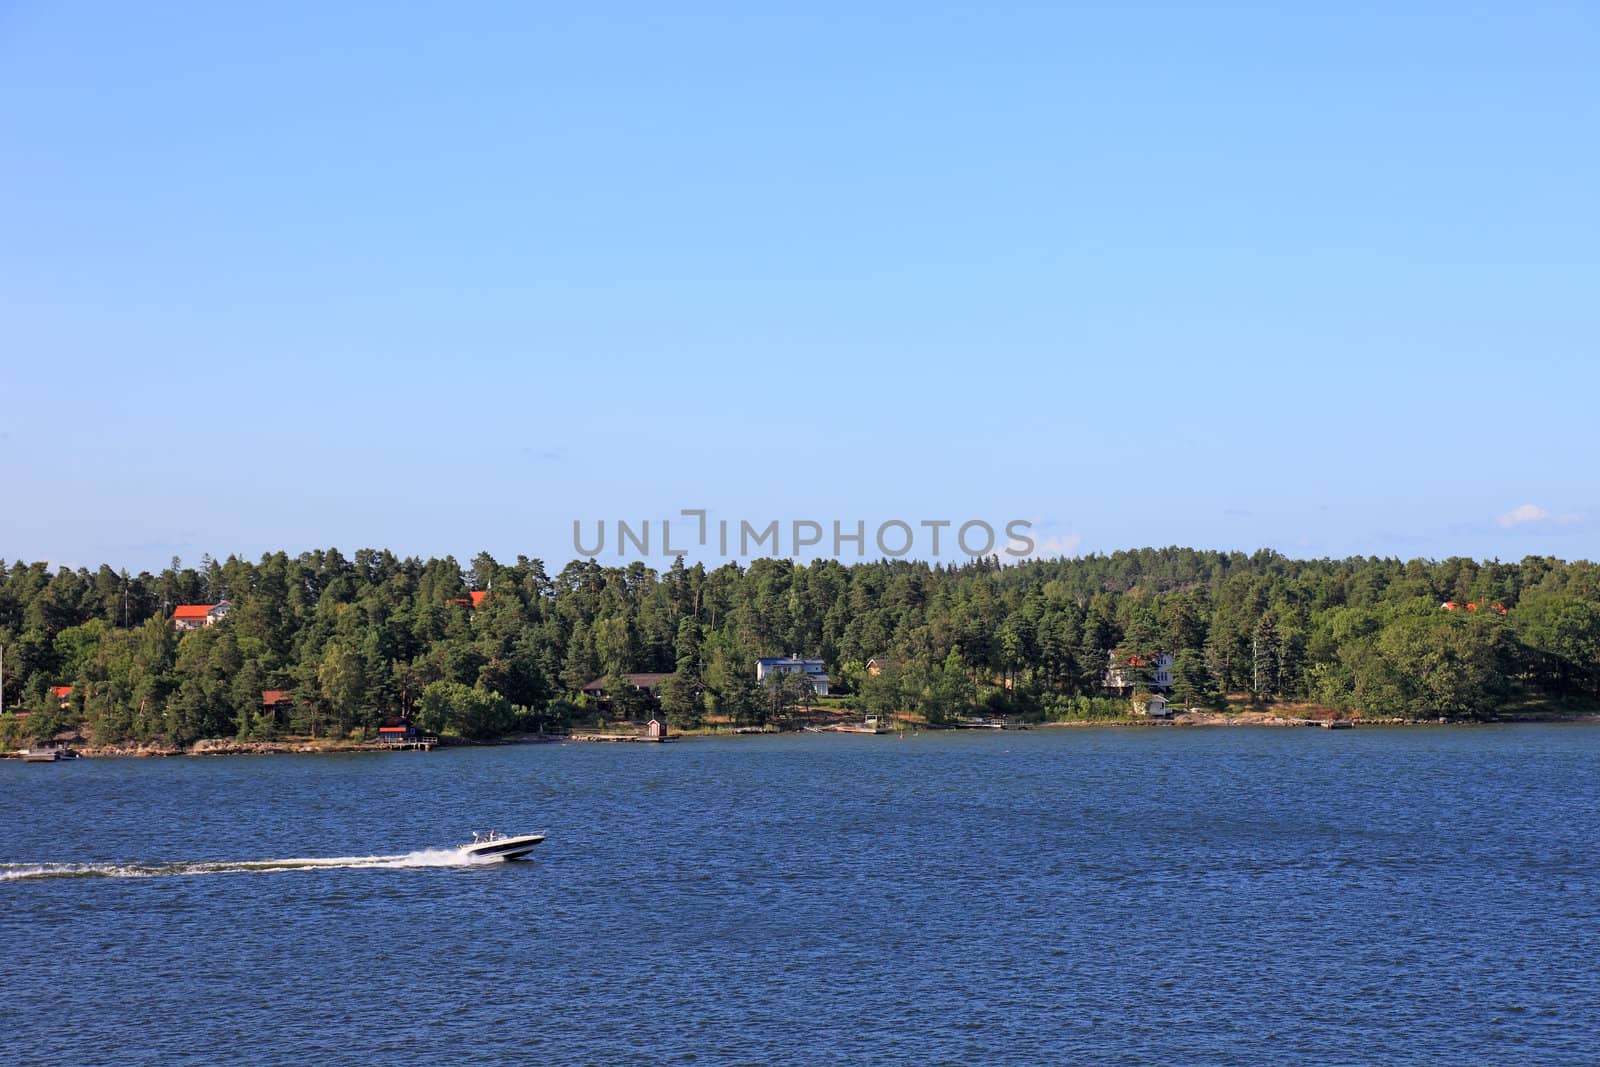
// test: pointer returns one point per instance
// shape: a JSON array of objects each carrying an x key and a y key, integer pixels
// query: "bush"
[
  {"x": 468, "y": 711},
  {"x": 1085, "y": 708}
]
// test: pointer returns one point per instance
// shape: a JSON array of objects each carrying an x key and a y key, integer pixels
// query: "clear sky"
[{"x": 443, "y": 280}]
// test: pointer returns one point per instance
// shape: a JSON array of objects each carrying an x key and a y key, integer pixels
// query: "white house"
[
  {"x": 197, "y": 616},
  {"x": 1151, "y": 705},
  {"x": 814, "y": 670},
  {"x": 1128, "y": 669}
]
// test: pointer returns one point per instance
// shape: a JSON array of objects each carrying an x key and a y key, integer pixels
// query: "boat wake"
[{"x": 432, "y": 857}]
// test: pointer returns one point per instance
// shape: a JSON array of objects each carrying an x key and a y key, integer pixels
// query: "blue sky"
[{"x": 1323, "y": 281}]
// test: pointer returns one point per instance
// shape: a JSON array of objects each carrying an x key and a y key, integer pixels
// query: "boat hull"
[{"x": 508, "y": 848}]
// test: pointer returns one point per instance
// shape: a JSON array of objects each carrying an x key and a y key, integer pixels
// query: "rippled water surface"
[{"x": 1115, "y": 895}]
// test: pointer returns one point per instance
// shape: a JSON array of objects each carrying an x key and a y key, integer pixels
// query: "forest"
[{"x": 349, "y": 641}]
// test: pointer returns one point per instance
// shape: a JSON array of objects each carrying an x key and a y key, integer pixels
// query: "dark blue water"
[{"x": 1116, "y": 895}]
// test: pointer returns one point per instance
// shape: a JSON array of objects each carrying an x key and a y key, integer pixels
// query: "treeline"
[{"x": 349, "y": 641}]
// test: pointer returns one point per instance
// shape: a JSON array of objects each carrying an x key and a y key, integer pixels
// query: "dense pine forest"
[{"x": 346, "y": 642}]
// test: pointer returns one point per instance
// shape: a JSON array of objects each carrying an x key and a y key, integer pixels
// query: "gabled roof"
[
  {"x": 811, "y": 665},
  {"x": 270, "y": 697},
  {"x": 477, "y": 596},
  {"x": 192, "y": 611},
  {"x": 61, "y": 691},
  {"x": 641, "y": 680}
]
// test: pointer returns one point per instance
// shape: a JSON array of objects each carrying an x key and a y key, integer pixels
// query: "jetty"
[{"x": 420, "y": 744}]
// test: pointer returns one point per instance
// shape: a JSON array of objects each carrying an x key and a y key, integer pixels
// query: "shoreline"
[{"x": 303, "y": 747}]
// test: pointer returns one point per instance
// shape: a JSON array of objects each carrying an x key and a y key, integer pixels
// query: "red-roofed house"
[
  {"x": 61, "y": 693},
  {"x": 196, "y": 616},
  {"x": 396, "y": 730},
  {"x": 1125, "y": 670},
  {"x": 477, "y": 597},
  {"x": 1472, "y": 605},
  {"x": 274, "y": 701}
]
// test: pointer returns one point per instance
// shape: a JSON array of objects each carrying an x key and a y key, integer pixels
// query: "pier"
[{"x": 423, "y": 744}]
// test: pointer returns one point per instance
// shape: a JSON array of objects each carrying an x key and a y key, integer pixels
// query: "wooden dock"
[{"x": 412, "y": 744}]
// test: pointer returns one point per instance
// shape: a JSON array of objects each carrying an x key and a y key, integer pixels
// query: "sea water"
[{"x": 1168, "y": 895}]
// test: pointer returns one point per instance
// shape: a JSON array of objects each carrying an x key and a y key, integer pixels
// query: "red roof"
[
  {"x": 276, "y": 696},
  {"x": 192, "y": 611},
  {"x": 61, "y": 691},
  {"x": 477, "y": 597}
]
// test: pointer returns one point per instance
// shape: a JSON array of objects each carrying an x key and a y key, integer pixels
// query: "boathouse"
[
  {"x": 396, "y": 731},
  {"x": 1151, "y": 706}
]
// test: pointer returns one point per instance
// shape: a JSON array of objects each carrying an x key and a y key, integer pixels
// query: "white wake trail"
[{"x": 429, "y": 857}]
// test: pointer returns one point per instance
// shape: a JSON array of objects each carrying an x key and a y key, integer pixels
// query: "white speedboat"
[{"x": 495, "y": 845}]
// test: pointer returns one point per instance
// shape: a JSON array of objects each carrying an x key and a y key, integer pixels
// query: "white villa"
[
  {"x": 1126, "y": 670},
  {"x": 814, "y": 670},
  {"x": 198, "y": 616}
]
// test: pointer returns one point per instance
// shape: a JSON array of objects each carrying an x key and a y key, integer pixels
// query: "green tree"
[
  {"x": 342, "y": 680},
  {"x": 681, "y": 700},
  {"x": 1191, "y": 680}
]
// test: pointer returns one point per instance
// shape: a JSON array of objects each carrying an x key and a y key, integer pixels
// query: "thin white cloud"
[
  {"x": 1520, "y": 516},
  {"x": 1533, "y": 513},
  {"x": 1056, "y": 545}
]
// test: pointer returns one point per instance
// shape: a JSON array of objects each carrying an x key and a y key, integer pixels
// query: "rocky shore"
[
  {"x": 218, "y": 746},
  {"x": 224, "y": 746}
]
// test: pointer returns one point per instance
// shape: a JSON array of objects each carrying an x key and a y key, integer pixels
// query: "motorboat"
[{"x": 495, "y": 845}]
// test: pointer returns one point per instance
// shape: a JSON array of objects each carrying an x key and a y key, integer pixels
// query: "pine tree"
[{"x": 1264, "y": 659}]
